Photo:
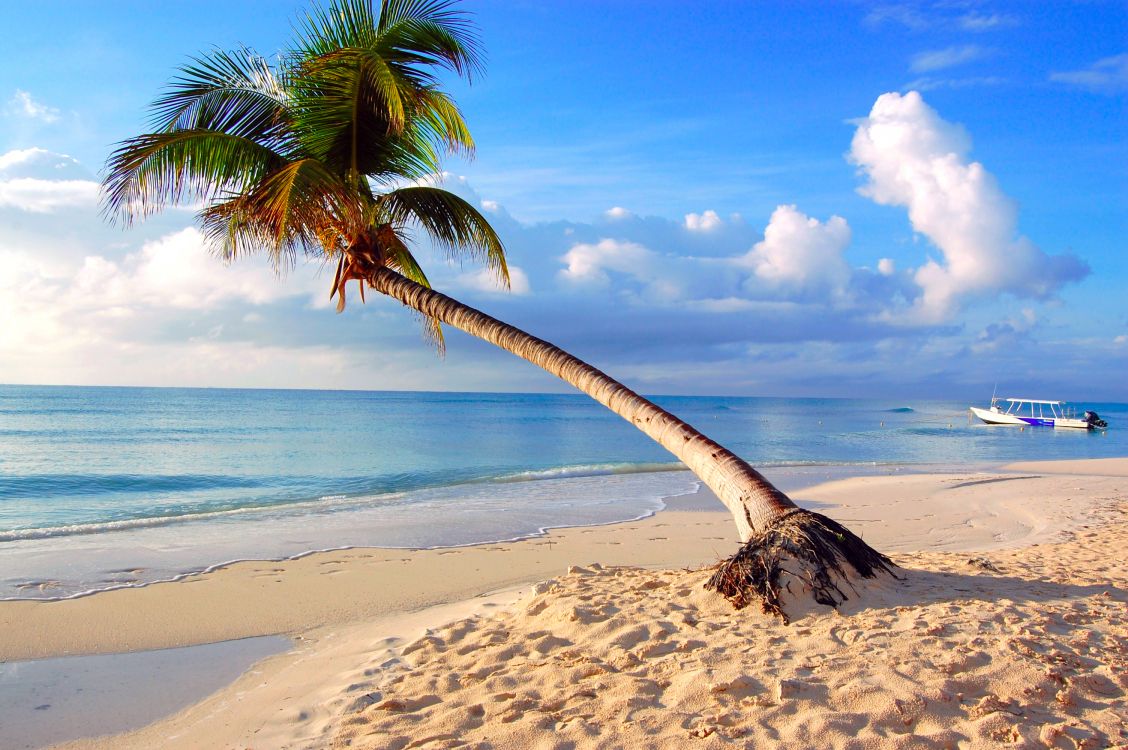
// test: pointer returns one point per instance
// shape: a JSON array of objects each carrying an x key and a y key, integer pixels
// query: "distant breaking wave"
[{"x": 900, "y": 410}]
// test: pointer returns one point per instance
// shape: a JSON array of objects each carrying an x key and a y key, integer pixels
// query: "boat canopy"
[{"x": 1034, "y": 401}]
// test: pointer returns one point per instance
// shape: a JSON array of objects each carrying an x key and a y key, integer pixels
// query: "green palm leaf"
[
  {"x": 232, "y": 92},
  {"x": 453, "y": 223},
  {"x": 149, "y": 172},
  {"x": 304, "y": 155}
]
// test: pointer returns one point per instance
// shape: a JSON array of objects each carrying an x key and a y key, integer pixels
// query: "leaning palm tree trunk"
[{"x": 774, "y": 529}]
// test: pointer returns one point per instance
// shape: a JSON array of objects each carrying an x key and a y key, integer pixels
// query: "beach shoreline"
[{"x": 361, "y": 597}]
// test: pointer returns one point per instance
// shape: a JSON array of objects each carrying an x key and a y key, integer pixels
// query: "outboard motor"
[{"x": 1094, "y": 420}]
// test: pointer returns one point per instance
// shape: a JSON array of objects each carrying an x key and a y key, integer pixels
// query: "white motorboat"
[{"x": 1031, "y": 411}]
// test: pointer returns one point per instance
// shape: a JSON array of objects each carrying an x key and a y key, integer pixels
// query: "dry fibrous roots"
[{"x": 814, "y": 548}]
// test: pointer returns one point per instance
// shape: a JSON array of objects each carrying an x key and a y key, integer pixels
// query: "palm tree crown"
[{"x": 321, "y": 151}]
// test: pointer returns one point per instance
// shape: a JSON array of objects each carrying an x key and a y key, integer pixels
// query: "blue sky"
[{"x": 903, "y": 200}]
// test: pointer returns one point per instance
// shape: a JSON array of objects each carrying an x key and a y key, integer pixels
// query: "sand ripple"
[{"x": 1023, "y": 648}]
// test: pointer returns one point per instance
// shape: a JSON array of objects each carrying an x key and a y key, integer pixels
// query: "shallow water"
[
  {"x": 105, "y": 487},
  {"x": 47, "y": 701}
]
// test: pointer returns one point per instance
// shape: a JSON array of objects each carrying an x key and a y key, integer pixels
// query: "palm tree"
[{"x": 322, "y": 152}]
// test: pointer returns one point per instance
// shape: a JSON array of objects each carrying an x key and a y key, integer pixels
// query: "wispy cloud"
[
  {"x": 932, "y": 83},
  {"x": 905, "y": 14},
  {"x": 23, "y": 105},
  {"x": 980, "y": 22},
  {"x": 926, "y": 62},
  {"x": 926, "y": 16},
  {"x": 1106, "y": 76}
]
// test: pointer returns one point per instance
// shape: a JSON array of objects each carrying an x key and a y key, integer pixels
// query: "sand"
[{"x": 1010, "y": 626}]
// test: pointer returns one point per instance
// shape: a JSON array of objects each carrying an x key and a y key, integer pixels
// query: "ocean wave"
[
  {"x": 364, "y": 494},
  {"x": 324, "y": 503},
  {"x": 585, "y": 470},
  {"x": 39, "y": 485},
  {"x": 125, "y": 524},
  {"x": 900, "y": 410}
]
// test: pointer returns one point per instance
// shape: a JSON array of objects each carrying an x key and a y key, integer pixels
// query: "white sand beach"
[{"x": 1008, "y": 627}]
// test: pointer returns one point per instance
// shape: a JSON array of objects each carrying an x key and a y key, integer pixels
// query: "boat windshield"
[{"x": 1037, "y": 409}]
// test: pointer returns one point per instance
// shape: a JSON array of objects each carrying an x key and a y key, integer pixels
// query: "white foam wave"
[
  {"x": 325, "y": 502},
  {"x": 587, "y": 470}
]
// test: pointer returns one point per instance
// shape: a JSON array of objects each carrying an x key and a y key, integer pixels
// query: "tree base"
[{"x": 805, "y": 546}]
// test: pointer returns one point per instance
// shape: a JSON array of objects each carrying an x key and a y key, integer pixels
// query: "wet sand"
[{"x": 631, "y": 648}]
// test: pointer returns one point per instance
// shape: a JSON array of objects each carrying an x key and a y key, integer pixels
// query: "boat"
[{"x": 1032, "y": 411}]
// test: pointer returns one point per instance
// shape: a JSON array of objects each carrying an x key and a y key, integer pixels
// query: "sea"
[{"x": 113, "y": 487}]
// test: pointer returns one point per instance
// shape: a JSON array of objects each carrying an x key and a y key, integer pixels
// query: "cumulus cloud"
[
  {"x": 703, "y": 222},
  {"x": 913, "y": 158},
  {"x": 1006, "y": 333},
  {"x": 927, "y": 62},
  {"x": 1106, "y": 76},
  {"x": 617, "y": 212},
  {"x": 588, "y": 263},
  {"x": 39, "y": 181},
  {"x": 23, "y": 105},
  {"x": 178, "y": 271},
  {"x": 45, "y": 196},
  {"x": 800, "y": 253},
  {"x": 886, "y": 266}
]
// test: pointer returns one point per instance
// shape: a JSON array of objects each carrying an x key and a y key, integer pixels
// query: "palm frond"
[
  {"x": 147, "y": 173},
  {"x": 442, "y": 119},
  {"x": 455, "y": 225},
  {"x": 296, "y": 208},
  {"x": 339, "y": 25},
  {"x": 432, "y": 33},
  {"x": 231, "y": 92}
]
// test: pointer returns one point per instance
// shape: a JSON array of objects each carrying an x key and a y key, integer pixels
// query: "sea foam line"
[
  {"x": 658, "y": 505},
  {"x": 327, "y": 502}
]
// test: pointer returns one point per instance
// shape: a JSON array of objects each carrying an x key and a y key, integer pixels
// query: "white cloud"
[
  {"x": 703, "y": 222},
  {"x": 931, "y": 83},
  {"x": 1106, "y": 76},
  {"x": 886, "y": 266},
  {"x": 484, "y": 280},
  {"x": 36, "y": 180},
  {"x": 926, "y": 62},
  {"x": 617, "y": 212},
  {"x": 979, "y": 22},
  {"x": 43, "y": 196},
  {"x": 588, "y": 263},
  {"x": 23, "y": 105},
  {"x": 491, "y": 206},
  {"x": 905, "y": 14},
  {"x": 178, "y": 270},
  {"x": 800, "y": 253},
  {"x": 913, "y": 158}
]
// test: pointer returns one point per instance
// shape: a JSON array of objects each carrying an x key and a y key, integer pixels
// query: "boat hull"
[
  {"x": 995, "y": 417},
  {"x": 998, "y": 417}
]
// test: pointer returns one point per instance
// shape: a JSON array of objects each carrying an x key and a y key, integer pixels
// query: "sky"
[{"x": 902, "y": 200}]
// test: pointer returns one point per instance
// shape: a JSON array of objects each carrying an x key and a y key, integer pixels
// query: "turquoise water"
[{"x": 103, "y": 487}]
